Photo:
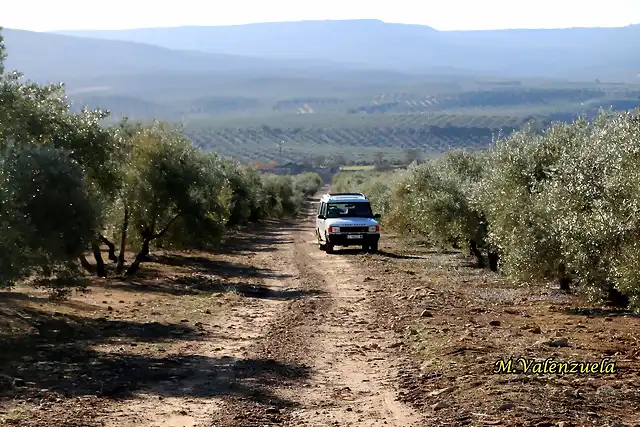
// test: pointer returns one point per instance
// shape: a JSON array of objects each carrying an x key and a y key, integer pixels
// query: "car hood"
[{"x": 353, "y": 222}]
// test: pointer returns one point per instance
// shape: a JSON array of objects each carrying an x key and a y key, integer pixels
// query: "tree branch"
[
  {"x": 111, "y": 246},
  {"x": 165, "y": 229}
]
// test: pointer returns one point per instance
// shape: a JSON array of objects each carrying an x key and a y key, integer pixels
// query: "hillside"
[
  {"x": 246, "y": 107},
  {"x": 350, "y": 138},
  {"x": 144, "y": 81},
  {"x": 585, "y": 53},
  {"x": 52, "y": 56}
]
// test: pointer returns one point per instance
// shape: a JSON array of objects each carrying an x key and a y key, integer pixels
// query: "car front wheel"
[
  {"x": 328, "y": 246},
  {"x": 320, "y": 244}
]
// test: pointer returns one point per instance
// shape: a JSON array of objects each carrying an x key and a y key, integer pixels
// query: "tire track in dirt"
[
  {"x": 237, "y": 366},
  {"x": 301, "y": 349},
  {"x": 284, "y": 342},
  {"x": 332, "y": 335},
  {"x": 352, "y": 382}
]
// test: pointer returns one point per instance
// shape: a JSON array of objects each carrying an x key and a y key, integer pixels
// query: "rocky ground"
[{"x": 273, "y": 331}]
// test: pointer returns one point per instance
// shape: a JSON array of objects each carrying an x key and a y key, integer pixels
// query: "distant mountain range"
[
  {"x": 55, "y": 56},
  {"x": 313, "y": 67},
  {"x": 575, "y": 53},
  {"x": 337, "y": 86}
]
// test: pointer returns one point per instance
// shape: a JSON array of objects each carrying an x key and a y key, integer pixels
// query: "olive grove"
[
  {"x": 560, "y": 205},
  {"x": 70, "y": 185}
]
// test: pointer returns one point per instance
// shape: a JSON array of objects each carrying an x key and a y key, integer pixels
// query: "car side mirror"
[
  {"x": 320, "y": 216},
  {"x": 376, "y": 216}
]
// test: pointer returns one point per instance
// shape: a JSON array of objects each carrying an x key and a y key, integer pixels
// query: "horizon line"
[{"x": 164, "y": 27}]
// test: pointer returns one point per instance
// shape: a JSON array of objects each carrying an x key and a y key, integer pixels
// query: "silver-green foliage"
[
  {"x": 55, "y": 172},
  {"x": 438, "y": 198},
  {"x": 67, "y": 183},
  {"x": 376, "y": 185},
  {"x": 48, "y": 214},
  {"x": 511, "y": 197},
  {"x": 560, "y": 204},
  {"x": 567, "y": 203},
  {"x": 431, "y": 199},
  {"x": 308, "y": 183}
]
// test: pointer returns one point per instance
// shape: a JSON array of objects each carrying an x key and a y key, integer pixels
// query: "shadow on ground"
[
  {"x": 73, "y": 372},
  {"x": 202, "y": 284},
  {"x": 204, "y": 276},
  {"x": 35, "y": 328},
  {"x": 258, "y": 238},
  {"x": 398, "y": 256},
  {"x": 352, "y": 251},
  {"x": 258, "y": 291},
  {"x": 57, "y": 358},
  {"x": 600, "y": 312},
  {"x": 215, "y": 266}
]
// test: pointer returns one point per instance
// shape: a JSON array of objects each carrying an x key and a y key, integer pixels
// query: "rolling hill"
[
  {"x": 575, "y": 53},
  {"x": 45, "y": 56},
  {"x": 245, "y": 95}
]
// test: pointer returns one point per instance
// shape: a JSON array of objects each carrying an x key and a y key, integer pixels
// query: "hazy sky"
[{"x": 46, "y": 15}]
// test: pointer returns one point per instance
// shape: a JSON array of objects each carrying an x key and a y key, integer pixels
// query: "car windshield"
[{"x": 349, "y": 210}]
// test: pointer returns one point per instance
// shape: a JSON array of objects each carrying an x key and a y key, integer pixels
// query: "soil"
[{"x": 273, "y": 331}]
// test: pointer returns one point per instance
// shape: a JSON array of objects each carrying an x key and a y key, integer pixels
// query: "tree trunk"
[
  {"x": 147, "y": 236},
  {"x": 101, "y": 271},
  {"x": 140, "y": 258},
  {"x": 86, "y": 265},
  {"x": 112, "y": 248},
  {"x": 473, "y": 246},
  {"x": 145, "y": 254},
  {"x": 123, "y": 241},
  {"x": 563, "y": 278},
  {"x": 494, "y": 259},
  {"x": 616, "y": 298}
]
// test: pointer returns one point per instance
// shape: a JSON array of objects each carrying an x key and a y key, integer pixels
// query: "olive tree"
[
  {"x": 48, "y": 214},
  {"x": 308, "y": 183},
  {"x": 33, "y": 115},
  {"x": 35, "y": 123},
  {"x": 206, "y": 212},
  {"x": 511, "y": 195},
  {"x": 171, "y": 184},
  {"x": 246, "y": 204},
  {"x": 281, "y": 198},
  {"x": 438, "y": 197},
  {"x": 593, "y": 203},
  {"x": 565, "y": 205},
  {"x": 3, "y": 53}
]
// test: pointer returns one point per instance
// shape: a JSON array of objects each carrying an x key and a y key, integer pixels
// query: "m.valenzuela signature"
[{"x": 551, "y": 366}]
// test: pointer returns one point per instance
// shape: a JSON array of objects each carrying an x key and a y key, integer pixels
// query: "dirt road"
[
  {"x": 272, "y": 331},
  {"x": 331, "y": 336}
]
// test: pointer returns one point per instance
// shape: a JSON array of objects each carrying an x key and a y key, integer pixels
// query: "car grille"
[{"x": 354, "y": 229}]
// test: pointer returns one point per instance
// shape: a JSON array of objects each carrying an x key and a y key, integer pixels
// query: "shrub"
[
  {"x": 561, "y": 204},
  {"x": 308, "y": 183}
]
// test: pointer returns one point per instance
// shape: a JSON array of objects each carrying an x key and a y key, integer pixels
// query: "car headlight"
[
  {"x": 372, "y": 229},
  {"x": 335, "y": 229}
]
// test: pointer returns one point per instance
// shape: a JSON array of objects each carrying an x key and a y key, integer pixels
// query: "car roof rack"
[{"x": 346, "y": 194}]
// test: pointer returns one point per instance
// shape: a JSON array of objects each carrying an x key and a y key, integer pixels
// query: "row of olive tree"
[
  {"x": 69, "y": 185},
  {"x": 562, "y": 205}
]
